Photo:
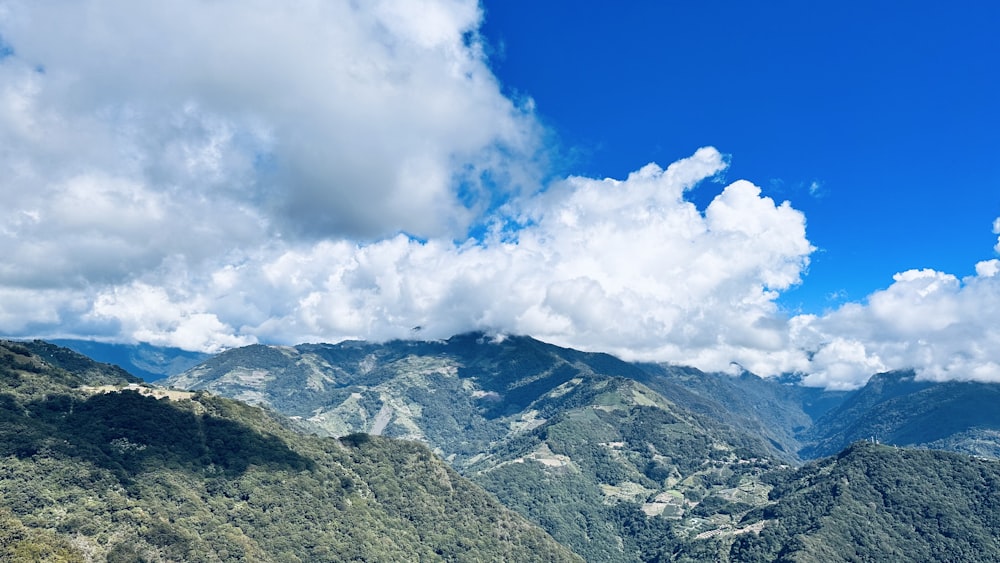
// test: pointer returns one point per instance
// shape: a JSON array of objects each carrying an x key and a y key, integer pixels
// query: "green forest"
[
  {"x": 96, "y": 466},
  {"x": 124, "y": 476}
]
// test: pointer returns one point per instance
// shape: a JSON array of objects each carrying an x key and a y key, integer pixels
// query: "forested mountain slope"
[
  {"x": 620, "y": 461},
  {"x": 584, "y": 446},
  {"x": 896, "y": 408},
  {"x": 880, "y": 503},
  {"x": 572, "y": 440},
  {"x": 778, "y": 410},
  {"x": 92, "y": 473}
]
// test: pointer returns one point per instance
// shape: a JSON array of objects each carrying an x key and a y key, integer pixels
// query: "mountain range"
[
  {"x": 147, "y": 361},
  {"x": 606, "y": 443},
  {"x": 97, "y": 467},
  {"x": 491, "y": 381},
  {"x": 550, "y": 454}
]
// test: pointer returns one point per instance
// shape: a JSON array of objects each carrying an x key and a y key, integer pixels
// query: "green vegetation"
[
  {"x": 778, "y": 411},
  {"x": 569, "y": 440},
  {"x": 20, "y": 543},
  {"x": 895, "y": 408},
  {"x": 619, "y": 477},
  {"x": 617, "y": 461},
  {"x": 123, "y": 476},
  {"x": 878, "y": 503}
]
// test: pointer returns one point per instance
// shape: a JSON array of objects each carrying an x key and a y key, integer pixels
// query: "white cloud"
[
  {"x": 149, "y": 314},
  {"x": 996, "y": 231},
  {"x": 842, "y": 364},
  {"x": 930, "y": 321},
  {"x": 988, "y": 268},
  {"x": 629, "y": 267},
  {"x": 305, "y": 119},
  {"x": 211, "y": 173}
]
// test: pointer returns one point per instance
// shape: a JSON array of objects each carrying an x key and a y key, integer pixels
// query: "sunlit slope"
[
  {"x": 880, "y": 503},
  {"x": 88, "y": 473},
  {"x": 572, "y": 440},
  {"x": 895, "y": 408}
]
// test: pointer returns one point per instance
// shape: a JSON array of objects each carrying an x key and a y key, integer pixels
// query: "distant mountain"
[
  {"x": 895, "y": 408},
  {"x": 619, "y": 461},
  {"x": 95, "y": 467},
  {"x": 779, "y": 411},
  {"x": 151, "y": 363},
  {"x": 574, "y": 441},
  {"x": 879, "y": 503},
  {"x": 459, "y": 395}
]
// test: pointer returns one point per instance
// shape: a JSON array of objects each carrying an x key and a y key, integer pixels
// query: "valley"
[{"x": 613, "y": 461}]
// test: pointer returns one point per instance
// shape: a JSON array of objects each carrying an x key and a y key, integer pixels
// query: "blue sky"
[
  {"x": 888, "y": 108},
  {"x": 782, "y": 187}
]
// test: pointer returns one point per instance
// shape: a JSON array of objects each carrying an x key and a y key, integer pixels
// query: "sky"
[{"x": 785, "y": 187}]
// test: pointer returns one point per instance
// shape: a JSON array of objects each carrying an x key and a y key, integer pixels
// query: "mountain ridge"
[
  {"x": 607, "y": 464},
  {"x": 796, "y": 422},
  {"x": 509, "y": 412},
  {"x": 114, "y": 473},
  {"x": 897, "y": 408}
]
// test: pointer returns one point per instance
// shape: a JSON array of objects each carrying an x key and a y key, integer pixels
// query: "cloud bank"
[
  {"x": 625, "y": 266},
  {"x": 942, "y": 326},
  {"x": 216, "y": 173}
]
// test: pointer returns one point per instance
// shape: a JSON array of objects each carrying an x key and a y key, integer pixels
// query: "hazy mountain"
[
  {"x": 89, "y": 472},
  {"x": 896, "y": 408},
  {"x": 151, "y": 363},
  {"x": 778, "y": 410}
]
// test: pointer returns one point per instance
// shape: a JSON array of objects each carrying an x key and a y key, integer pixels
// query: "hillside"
[
  {"x": 618, "y": 473},
  {"x": 879, "y": 503},
  {"x": 779, "y": 411},
  {"x": 90, "y": 473},
  {"x": 98, "y": 467},
  {"x": 573, "y": 441},
  {"x": 619, "y": 461},
  {"x": 895, "y": 408}
]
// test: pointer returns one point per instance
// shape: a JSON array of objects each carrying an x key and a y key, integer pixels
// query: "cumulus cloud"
[
  {"x": 150, "y": 314},
  {"x": 942, "y": 326},
  {"x": 996, "y": 231},
  {"x": 627, "y": 266},
  {"x": 215, "y": 172},
  {"x": 309, "y": 119}
]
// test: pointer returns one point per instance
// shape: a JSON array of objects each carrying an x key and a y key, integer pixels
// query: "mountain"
[
  {"x": 574, "y": 441},
  {"x": 631, "y": 462},
  {"x": 896, "y": 408},
  {"x": 460, "y": 395},
  {"x": 780, "y": 411},
  {"x": 149, "y": 362},
  {"x": 879, "y": 503},
  {"x": 95, "y": 466}
]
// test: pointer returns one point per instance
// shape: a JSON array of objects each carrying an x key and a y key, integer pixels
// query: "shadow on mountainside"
[{"x": 128, "y": 433}]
